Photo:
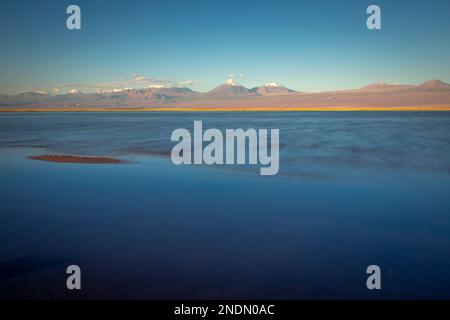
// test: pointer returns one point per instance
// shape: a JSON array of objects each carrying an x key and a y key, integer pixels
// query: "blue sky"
[{"x": 305, "y": 45}]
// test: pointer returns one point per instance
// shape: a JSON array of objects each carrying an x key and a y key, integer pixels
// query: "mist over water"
[
  {"x": 312, "y": 144},
  {"x": 354, "y": 189}
]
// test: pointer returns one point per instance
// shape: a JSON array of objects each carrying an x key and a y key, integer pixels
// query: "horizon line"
[{"x": 235, "y": 84}]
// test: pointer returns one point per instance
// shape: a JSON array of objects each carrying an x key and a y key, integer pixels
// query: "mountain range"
[{"x": 434, "y": 93}]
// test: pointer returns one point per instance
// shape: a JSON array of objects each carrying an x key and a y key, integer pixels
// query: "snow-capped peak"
[
  {"x": 231, "y": 82},
  {"x": 114, "y": 90},
  {"x": 273, "y": 85}
]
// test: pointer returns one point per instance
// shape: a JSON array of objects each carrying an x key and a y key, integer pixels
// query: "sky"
[{"x": 309, "y": 46}]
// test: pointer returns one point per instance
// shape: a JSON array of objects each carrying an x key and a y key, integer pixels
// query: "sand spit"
[{"x": 76, "y": 159}]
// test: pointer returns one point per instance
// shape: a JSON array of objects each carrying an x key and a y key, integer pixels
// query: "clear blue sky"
[{"x": 305, "y": 45}]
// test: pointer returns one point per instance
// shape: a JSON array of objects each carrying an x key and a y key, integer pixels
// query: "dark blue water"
[{"x": 354, "y": 189}]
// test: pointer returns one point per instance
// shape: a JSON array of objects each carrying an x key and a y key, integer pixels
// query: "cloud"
[
  {"x": 236, "y": 75},
  {"x": 136, "y": 81},
  {"x": 188, "y": 82}
]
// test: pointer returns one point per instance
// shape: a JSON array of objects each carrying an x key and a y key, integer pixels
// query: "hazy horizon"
[{"x": 227, "y": 82}]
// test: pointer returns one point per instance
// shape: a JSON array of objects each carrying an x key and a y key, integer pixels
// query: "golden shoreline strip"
[{"x": 217, "y": 109}]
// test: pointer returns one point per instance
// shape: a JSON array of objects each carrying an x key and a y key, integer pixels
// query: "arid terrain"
[{"x": 433, "y": 94}]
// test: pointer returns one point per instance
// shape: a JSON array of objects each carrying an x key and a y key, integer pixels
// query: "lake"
[{"x": 354, "y": 189}]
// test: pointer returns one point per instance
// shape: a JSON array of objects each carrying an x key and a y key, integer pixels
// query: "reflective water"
[{"x": 354, "y": 189}]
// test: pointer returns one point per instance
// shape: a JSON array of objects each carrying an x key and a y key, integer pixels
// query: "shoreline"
[{"x": 216, "y": 109}]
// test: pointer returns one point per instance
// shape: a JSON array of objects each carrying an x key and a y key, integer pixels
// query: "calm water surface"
[{"x": 354, "y": 189}]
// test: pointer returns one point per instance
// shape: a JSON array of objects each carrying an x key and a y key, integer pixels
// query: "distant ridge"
[
  {"x": 229, "y": 89},
  {"x": 434, "y": 85},
  {"x": 384, "y": 86},
  {"x": 232, "y": 94},
  {"x": 273, "y": 88}
]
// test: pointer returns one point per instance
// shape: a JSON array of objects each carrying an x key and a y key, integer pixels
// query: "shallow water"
[{"x": 354, "y": 189}]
